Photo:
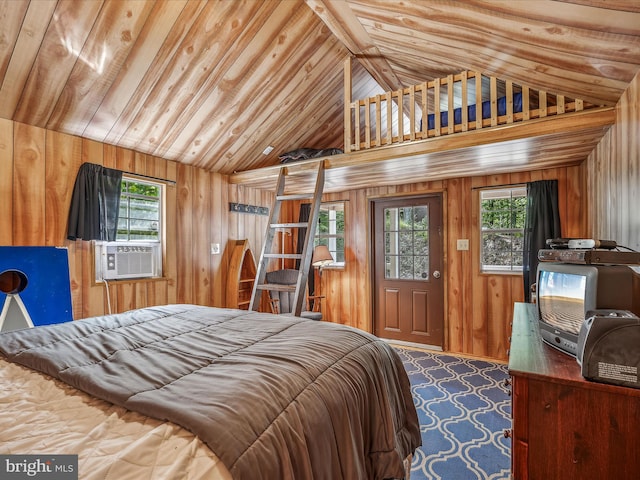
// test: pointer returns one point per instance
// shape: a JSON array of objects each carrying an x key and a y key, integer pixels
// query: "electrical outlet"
[
  {"x": 463, "y": 244},
  {"x": 215, "y": 248}
]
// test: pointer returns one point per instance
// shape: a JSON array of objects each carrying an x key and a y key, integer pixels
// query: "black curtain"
[
  {"x": 93, "y": 213},
  {"x": 542, "y": 222},
  {"x": 303, "y": 216}
]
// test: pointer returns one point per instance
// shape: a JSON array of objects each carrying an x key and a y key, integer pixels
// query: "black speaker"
[{"x": 609, "y": 347}]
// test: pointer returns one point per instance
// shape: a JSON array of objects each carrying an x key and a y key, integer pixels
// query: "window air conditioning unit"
[{"x": 128, "y": 260}]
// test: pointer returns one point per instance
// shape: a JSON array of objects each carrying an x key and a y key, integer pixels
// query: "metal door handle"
[{"x": 436, "y": 274}]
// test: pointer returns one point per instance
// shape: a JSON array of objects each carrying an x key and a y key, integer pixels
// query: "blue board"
[{"x": 47, "y": 296}]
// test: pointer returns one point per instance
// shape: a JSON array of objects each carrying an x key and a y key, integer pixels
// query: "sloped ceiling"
[{"x": 212, "y": 83}]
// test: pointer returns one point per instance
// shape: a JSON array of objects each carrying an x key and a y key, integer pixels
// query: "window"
[
  {"x": 137, "y": 251},
  {"x": 140, "y": 211},
  {"x": 502, "y": 218},
  {"x": 330, "y": 230},
  {"x": 406, "y": 242}
]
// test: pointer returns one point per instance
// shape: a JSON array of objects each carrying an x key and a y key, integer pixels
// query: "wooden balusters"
[{"x": 404, "y": 114}]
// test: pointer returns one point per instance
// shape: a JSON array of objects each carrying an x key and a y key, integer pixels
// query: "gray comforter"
[{"x": 274, "y": 397}]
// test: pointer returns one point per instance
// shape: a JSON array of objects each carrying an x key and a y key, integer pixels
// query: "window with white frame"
[
  {"x": 140, "y": 211},
  {"x": 137, "y": 251},
  {"x": 330, "y": 230},
  {"x": 502, "y": 222}
]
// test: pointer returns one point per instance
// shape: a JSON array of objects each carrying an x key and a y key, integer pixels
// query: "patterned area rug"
[{"x": 463, "y": 409}]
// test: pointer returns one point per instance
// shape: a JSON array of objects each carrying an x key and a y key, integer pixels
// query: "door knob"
[{"x": 436, "y": 274}]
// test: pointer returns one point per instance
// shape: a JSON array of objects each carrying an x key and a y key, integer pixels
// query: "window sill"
[
  {"x": 121, "y": 281},
  {"x": 339, "y": 266},
  {"x": 501, "y": 272}
]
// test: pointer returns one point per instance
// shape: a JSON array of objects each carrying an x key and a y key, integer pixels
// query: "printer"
[{"x": 608, "y": 348}]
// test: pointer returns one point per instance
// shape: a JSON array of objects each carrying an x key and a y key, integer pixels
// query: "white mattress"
[{"x": 40, "y": 416}]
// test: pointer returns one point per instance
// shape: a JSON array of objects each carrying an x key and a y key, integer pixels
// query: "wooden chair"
[{"x": 282, "y": 301}]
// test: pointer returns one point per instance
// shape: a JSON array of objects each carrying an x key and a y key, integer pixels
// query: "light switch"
[
  {"x": 215, "y": 248},
  {"x": 463, "y": 244}
]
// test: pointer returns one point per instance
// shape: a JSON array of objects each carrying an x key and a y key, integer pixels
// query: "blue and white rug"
[{"x": 464, "y": 408}]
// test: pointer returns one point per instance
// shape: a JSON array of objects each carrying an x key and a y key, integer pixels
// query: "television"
[{"x": 566, "y": 293}]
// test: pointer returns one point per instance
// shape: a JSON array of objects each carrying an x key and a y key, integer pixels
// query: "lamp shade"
[{"x": 321, "y": 256}]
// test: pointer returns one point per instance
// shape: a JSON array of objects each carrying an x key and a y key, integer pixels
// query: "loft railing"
[{"x": 474, "y": 101}]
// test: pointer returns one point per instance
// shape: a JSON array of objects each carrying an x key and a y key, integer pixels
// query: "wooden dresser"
[{"x": 565, "y": 427}]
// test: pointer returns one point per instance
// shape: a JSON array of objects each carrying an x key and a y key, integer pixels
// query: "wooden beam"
[
  {"x": 344, "y": 24},
  {"x": 348, "y": 85},
  {"x": 476, "y": 147}
]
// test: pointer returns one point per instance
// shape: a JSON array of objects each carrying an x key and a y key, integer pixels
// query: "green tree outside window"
[{"x": 502, "y": 220}]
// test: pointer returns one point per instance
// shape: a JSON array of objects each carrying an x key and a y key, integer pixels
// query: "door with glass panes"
[{"x": 408, "y": 258}]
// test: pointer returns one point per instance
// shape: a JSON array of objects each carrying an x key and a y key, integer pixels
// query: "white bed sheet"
[{"x": 40, "y": 415}]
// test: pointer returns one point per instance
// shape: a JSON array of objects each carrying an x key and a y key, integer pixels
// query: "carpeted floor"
[{"x": 463, "y": 409}]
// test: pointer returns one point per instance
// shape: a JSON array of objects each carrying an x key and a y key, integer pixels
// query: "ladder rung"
[
  {"x": 290, "y": 225},
  {"x": 295, "y": 196},
  {"x": 277, "y": 287},
  {"x": 293, "y": 256}
]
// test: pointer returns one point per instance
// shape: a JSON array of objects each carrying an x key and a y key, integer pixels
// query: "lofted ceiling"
[{"x": 213, "y": 83}]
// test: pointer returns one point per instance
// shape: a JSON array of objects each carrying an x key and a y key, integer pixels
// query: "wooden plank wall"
[
  {"x": 37, "y": 173},
  {"x": 478, "y": 306},
  {"x": 614, "y": 175}
]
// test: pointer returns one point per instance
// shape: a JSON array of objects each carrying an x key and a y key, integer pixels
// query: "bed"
[
  {"x": 485, "y": 111},
  {"x": 185, "y": 391}
]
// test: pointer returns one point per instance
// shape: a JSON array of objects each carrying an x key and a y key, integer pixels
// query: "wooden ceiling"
[{"x": 213, "y": 83}]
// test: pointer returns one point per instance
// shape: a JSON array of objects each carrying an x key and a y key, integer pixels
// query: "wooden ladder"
[{"x": 307, "y": 252}]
